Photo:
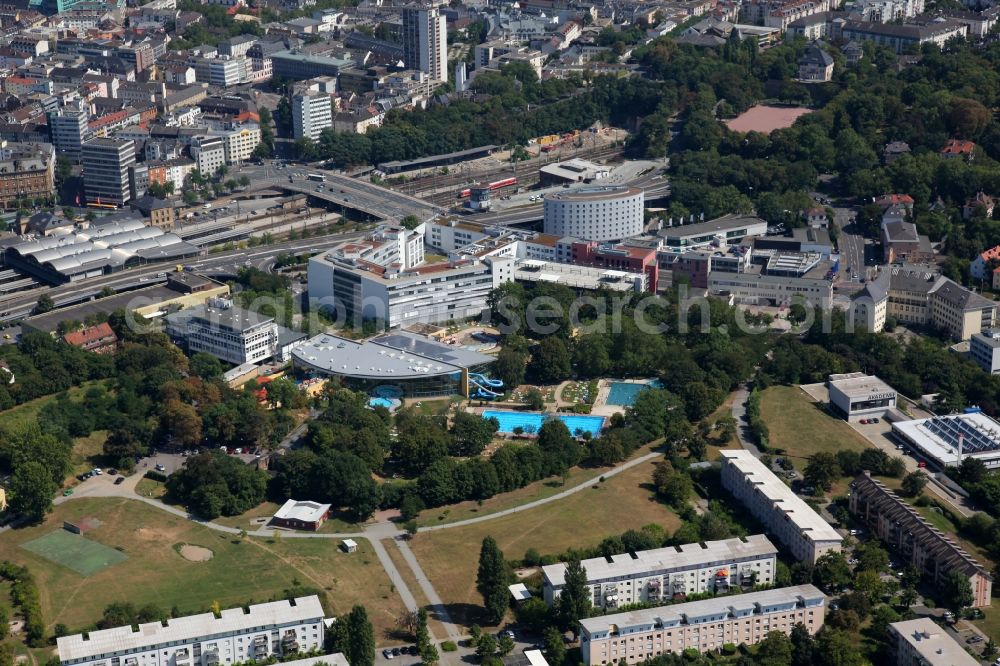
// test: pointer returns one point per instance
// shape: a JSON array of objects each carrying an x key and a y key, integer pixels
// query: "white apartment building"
[
  {"x": 786, "y": 515},
  {"x": 700, "y": 625},
  {"x": 652, "y": 576},
  {"x": 312, "y": 112},
  {"x": 105, "y": 170},
  {"x": 886, "y": 11},
  {"x": 277, "y": 629},
  {"x": 922, "y": 642},
  {"x": 227, "y": 333},
  {"x": 425, "y": 41},
  {"x": 209, "y": 153},
  {"x": 595, "y": 213}
]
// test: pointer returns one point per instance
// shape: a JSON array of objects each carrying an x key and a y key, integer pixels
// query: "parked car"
[
  {"x": 112, "y": 471},
  {"x": 120, "y": 480},
  {"x": 387, "y": 653},
  {"x": 160, "y": 468},
  {"x": 396, "y": 652}
]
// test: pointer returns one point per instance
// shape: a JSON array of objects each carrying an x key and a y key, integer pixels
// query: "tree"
[
  {"x": 913, "y": 483},
  {"x": 873, "y": 557},
  {"x": 822, "y": 470},
  {"x": 471, "y": 433},
  {"x": 360, "y": 647},
  {"x": 802, "y": 646},
  {"x": 534, "y": 399},
  {"x": 505, "y": 644},
  {"x": 44, "y": 304},
  {"x": 832, "y": 572},
  {"x": 553, "y": 647},
  {"x": 205, "y": 366},
  {"x": 774, "y": 650},
  {"x": 550, "y": 362},
  {"x": 956, "y": 591},
  {"x": 244, "y": 181},
  {"x": 31, "y": 490},
  {"x": 574, "y": 601},
  {"x": 410, "y": 222},
  {"x": 428, "y": 653},
  {"x": 510, "y": 366},
  {"x": 491, "y": 581},
  {"x": 486, "y": 646}
]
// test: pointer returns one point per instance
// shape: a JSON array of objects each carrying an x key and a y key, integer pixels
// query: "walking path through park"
[{"x": 375, "y": 533}]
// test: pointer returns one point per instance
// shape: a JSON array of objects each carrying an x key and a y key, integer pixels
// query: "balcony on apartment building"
[
  {"x": 654, "y": 589},
  {"x": 259, "y": 647},
  {"x": 290, "y": 642}
]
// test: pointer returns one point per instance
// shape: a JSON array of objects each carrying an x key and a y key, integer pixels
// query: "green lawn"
[
  {"x": 155, "y": 572},
  {"x": 802, "y": 427},
  {"x": 625, "y": 501}
]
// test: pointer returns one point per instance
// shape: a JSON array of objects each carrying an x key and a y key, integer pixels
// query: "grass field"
[
  {"x": 580, "y": 520},
  {"x": 254, "y": 569},
  {"x": 87, "y": 451},
  {"x": 534, "y": 491},
  {"x": 802, "y": 428},
  {"x": 75, "y": 551}
]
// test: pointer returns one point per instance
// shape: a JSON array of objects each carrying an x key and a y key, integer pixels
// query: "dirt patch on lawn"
[{"x": 195, "y": 553}]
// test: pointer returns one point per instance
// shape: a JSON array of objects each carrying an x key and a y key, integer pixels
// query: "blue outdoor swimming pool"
[
  {"x": 381, "y": 402},
  {"x": 531, "y": 422},
  {"x": 623, "y": 394}
]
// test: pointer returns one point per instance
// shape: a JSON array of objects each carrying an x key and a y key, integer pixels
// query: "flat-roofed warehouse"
[
  {"x": 857, "y": 395},
  {"x": 938, "y": 438}
]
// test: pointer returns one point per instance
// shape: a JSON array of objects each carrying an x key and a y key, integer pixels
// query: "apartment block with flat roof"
[
  {"x": 237, "y": 635},
  {"x": 922, "y": 642},
  {"x": 704, "y": 626},
  {"x": 786, "y": 515},
  {"x": 652, "y": 576}
]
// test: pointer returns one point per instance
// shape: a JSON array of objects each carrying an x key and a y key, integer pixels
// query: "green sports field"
[{"x": 74, "y": 552}]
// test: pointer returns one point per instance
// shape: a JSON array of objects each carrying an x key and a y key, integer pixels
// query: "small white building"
[
  {"x": 857, "y": 395},
  {"x": 519, "y": 592},
  {"x": 349, "y": 545},
  {"x": 301, "y": 515}
]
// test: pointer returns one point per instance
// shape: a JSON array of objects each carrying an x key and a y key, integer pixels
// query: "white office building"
[
  {"x": 703, "y": 626},
  {"x": 856, "y": 396},
  {"x": 425, "y": 41},
  {"x": 68, "y": 131},
  {"x": 275, "y": 629},
  {"x": 661, "y": 574},
  {"x": 312, "y": 113},
  {"x": 785, "y": 515},
  {"x": 984, "y": 349},
  {"x": 230, "y": 334},
  {"x": 595, "y": 213}
]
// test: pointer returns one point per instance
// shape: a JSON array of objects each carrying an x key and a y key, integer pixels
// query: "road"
[
  {"x": 340, "y": 190},
  {"x": 17, "y": 306},
  {"x": 851, "y": 245}
]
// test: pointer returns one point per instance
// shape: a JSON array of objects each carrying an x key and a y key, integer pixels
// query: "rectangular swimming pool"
[
  {"x": 623, "y": 394},
  {"x": 531, "y": 422}
]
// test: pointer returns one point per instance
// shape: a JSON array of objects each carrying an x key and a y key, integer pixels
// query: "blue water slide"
[{"x": 485, "y": 385}]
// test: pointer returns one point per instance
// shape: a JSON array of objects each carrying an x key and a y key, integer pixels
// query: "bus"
[{"x": 317, "y": 177}]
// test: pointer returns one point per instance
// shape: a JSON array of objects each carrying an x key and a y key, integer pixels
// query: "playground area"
[{"x": 74, "y": 551}]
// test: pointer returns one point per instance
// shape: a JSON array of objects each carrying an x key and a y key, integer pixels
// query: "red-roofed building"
[
  {"x": 888, "y": 200},
  {"x": 958, "y": 148},
  {"x": 98, "y": 339},
  {"x": 985, "y": 263}
]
